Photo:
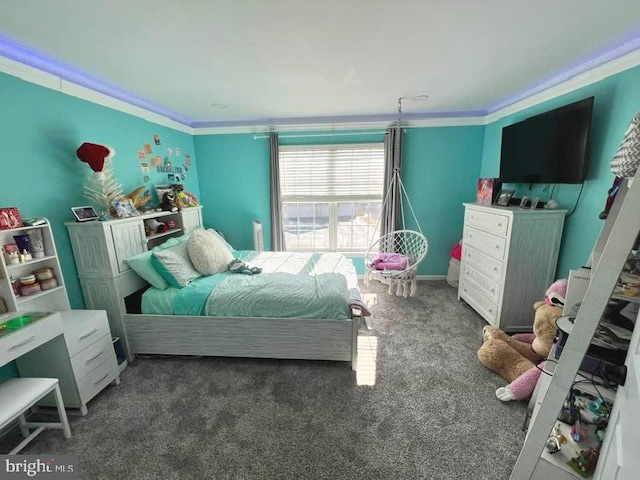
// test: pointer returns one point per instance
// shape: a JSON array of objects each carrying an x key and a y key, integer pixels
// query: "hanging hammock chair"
[{"x": 393, "y": 259}]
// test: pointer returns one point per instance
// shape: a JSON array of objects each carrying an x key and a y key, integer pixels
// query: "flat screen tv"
[{"x": 552, "y": 147}]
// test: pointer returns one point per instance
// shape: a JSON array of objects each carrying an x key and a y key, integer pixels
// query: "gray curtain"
[
  {"x": 391, "y": 209},
  {"x": 277, "y": 226}
]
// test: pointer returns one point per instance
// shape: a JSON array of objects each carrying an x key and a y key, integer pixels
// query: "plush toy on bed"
[{"x": 519, "y": 358}]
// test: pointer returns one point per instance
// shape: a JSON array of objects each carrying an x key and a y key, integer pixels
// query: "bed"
[{"x": 302, "y": 306}]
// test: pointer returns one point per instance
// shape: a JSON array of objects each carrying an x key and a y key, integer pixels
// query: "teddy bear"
[{"x": 517, "y": 357}]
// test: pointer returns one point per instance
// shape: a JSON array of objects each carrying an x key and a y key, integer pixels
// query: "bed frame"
[
  {"x": 292, "y": 338},
  {"x": 288, "y": 338}
]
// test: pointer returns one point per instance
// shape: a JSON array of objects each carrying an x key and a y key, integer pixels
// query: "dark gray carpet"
[{"x": 431, "y": 414}]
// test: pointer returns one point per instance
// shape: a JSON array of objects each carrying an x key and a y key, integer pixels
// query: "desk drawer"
[
  {"x": 88, "y": 327},
  {"x": 91, "y": 357},
  {"x": 98, "y": 379},
  {"x": 26, "y": 339},
  {"x": 485, "y": 242},
  {"x": 489, "y": 222},
  {"x": 488, "y": 265}
]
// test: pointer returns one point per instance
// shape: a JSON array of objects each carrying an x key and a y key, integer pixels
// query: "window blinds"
[{"x": 332, "y": 171}]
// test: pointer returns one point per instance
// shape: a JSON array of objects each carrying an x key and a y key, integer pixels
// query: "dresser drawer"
[
  {"x": 83, "y": 328},
  {"x": 473, "y": 296},
  {"x": 489, "y": 288},
  {"x": 489, "y": 222},
  {"x": 91, "y": 357},
  {"x": 485, "y": 242},
  {"x": 486, "y": 264},
  {"x": 98, "y": 379},
  {"x": 15, "y": 344}
]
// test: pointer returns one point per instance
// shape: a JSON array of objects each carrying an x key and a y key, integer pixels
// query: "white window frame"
[{"x": 333, "y": 202}]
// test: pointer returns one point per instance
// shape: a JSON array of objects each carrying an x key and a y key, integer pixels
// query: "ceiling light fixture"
[{"x": 218, "y": 106}]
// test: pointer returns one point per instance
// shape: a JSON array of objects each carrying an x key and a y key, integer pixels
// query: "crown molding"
[
  {"x": 54, "y": 82},
  {"x": 339, "y": 126},
  {"x": 580, "y": 80},
  {"x": 557, "y": 87}
]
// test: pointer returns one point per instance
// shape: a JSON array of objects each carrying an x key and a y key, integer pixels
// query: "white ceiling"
[{"x": 292, "y": 59}]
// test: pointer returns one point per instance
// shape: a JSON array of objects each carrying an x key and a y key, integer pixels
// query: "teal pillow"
[
  {"x": 174, "y": 265},
  {"x": 141, "y": 264}
]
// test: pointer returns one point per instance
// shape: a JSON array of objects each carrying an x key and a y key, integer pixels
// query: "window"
[{"x": 331, "y": 196}]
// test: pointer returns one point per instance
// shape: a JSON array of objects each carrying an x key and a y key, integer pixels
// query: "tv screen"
[{"x": 549, "y": 148}]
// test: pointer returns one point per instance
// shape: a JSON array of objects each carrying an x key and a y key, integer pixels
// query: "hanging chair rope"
[{"x": 411, "y": 244}]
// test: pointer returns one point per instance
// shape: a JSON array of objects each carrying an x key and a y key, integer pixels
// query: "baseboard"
[{"x": 422, "y": 278}]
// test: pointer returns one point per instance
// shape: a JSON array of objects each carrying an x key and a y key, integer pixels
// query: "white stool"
[{"x": 17, "y": 395}]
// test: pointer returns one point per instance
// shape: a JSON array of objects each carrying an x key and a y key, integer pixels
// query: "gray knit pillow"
[{"x": 207, "y": 253}]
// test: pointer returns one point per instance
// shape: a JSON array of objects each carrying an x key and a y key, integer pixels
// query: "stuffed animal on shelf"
[
  {"x": 519, "y": 358},
  {"x": 169, "y": 202},
  {"x": 139, "y": 197},
  {"x": 153, "y": 226}
]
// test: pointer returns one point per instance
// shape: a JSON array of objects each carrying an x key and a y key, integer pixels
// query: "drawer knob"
[
  {"x": 82, "y": 337},
  {"x": 497, "y": 247},
  {"x": 499, "y": 224},
  {"x": 101, "y": 378},
  {"x": 495, "y": 269},
  {"x": 22, "y": 344},
  {"x": 95, "y": 356},
  {"x": 493, "y": 290}
]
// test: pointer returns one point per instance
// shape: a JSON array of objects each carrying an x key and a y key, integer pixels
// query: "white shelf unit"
[
  {"x": 100, "y": 250},
  {"x": 51, "y": 300},
  {"x": 82, "y": 358},
  {"x": 618, "y": 456},
  {"x": 509, "y": 257}
]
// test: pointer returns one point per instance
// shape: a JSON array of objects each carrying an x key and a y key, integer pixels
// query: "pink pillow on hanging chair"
[{"x": 390, "y": 261}]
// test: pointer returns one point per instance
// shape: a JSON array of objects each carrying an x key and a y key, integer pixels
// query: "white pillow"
[
  {"x": 207, "y": 253},
  {"x": 221, "y": 238}
]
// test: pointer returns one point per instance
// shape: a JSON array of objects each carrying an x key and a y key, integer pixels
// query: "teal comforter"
[{"x": 298, "y": 285}]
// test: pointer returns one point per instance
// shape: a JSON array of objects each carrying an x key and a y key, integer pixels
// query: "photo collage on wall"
[{"x": 171, "y": 161}]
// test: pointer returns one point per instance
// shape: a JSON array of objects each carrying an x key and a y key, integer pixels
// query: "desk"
[
  {"x": 73, "y": 346},
  {"x": 15, "y": 344}
]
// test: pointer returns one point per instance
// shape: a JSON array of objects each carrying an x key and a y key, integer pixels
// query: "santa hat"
[{"x": 95, "y": 155}]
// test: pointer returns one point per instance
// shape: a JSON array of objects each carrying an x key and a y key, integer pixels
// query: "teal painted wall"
[
  {"x": 41, "y": 129},
  {"x": 617, "y": 100},
  {"x": 440, "y": 169}
]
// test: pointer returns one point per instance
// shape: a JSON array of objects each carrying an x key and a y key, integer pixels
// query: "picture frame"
[
  {"x": 84, "y": 214},
  {"x": 124, "y": 208},
  {"x": 161, "y": 190},
  {"x": 487, "y": 190},
  {"x": 504, "y": 197}
]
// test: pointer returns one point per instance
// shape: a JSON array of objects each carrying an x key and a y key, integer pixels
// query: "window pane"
[
  {"x": 357, "y": 225},
  {"x": 306, "y": 226}
]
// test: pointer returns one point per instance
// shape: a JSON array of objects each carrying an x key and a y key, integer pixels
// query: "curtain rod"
[{"x": 309, "y": 135}]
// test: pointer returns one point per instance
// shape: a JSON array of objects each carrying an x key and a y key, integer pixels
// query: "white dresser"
[{"x": 509, "y": 257}]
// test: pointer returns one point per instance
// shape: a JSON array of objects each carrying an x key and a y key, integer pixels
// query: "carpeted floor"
[{"x": 430, "y": 413}]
